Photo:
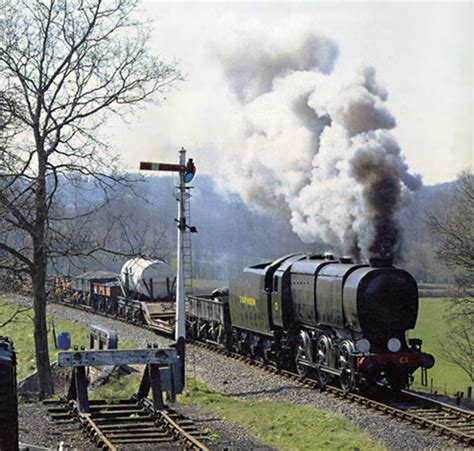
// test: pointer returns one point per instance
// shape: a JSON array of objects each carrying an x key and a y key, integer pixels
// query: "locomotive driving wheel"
[
  {"x": 323, "y": 353},
  {"x": 303, "y": 352},
  {"x": 347, "y": 378}
]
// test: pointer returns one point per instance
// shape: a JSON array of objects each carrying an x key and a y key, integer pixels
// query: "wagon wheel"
[
  {"x": 347, "y": 378},
  {"x": 302, "y": 353},
  {"x": 323, "y": 352}
]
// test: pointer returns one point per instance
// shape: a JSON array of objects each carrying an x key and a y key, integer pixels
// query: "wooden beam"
[
  {"x": 157, "y": 394},
  {"x": 81, "y": 389},
  {"x": 117, "y": 357}
]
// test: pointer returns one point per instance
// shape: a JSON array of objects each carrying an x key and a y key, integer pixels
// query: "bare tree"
[
  {"x": 458, "y": 346},
  {"x": 452, "y": 226},
  {"x": 66, "y": 66}
]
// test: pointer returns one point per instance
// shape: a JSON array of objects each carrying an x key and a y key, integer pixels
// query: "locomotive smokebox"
[{"x": 381, "y": 262}]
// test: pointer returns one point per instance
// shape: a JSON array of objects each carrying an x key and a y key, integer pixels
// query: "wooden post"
[
  {"x": 72, "y": 392},
  {"x": 53, "y": 331},
  {"x": 172, "y": 392},
  {"x": 156, "y": 392},
  {"x": 144, "y": 388},
  {"x": 81, "y": 389}
]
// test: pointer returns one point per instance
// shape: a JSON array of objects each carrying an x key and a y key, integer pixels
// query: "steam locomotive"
[{"x": 326, "y": 318}]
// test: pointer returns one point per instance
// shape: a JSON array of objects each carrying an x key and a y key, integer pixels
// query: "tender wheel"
[
  {"x": 347, "y": 378},
  {"x": 302, "y": 353},
  {"x": 323, "y": 352}
]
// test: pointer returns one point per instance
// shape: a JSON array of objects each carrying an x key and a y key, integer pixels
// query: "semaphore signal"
[{"x": 186, "y": 171}]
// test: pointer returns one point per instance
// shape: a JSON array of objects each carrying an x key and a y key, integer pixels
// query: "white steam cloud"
[
  {"x": 313, "y": 145},
  {"x": 279, "y": 124}
]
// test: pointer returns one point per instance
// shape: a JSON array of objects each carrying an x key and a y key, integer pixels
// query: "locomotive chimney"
[{"x": 381, "y": 262}]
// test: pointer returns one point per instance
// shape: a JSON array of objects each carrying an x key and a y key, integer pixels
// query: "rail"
[{"x": 424, "y": 412}]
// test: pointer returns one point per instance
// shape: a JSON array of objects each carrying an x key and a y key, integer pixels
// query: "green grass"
[
  {"x": 282, "y": 425},
  {"x": 431, "y": 327},
  {"x": 118, "y": 387},
  {"x": 21, "y": 331}
]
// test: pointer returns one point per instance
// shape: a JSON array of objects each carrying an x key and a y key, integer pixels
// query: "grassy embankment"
[
  {"x": 21, "y": 331},
  {"x": 431, "y": 327}
]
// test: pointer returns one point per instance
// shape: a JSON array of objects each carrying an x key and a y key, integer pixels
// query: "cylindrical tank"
[{"x": 149, "y": 278}]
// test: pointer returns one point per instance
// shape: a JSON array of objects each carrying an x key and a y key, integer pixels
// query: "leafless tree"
[
  {"x": 66, "y": 66},
  {"x": 458, "y": 346},
  {"x": 452, "y": 225}
]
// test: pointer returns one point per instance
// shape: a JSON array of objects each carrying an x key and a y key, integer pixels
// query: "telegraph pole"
[{"x": 186, "y": 171}]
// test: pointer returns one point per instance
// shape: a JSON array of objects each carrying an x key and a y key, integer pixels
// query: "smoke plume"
[{"x": 311, "y": 144}]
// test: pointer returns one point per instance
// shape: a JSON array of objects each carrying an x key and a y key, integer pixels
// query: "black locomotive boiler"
[{"x": 326, "y": 318}]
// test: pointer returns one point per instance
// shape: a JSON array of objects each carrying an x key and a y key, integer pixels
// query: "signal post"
[{"x": 186, "y": 172}]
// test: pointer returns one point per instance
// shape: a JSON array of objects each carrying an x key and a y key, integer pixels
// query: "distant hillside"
[{"x": 232, "y": 234}]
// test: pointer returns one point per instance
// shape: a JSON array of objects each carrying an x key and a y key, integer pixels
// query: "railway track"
[
  {"x": 442, "y": 418},
  {"x": 129, "y": 424},
  {"x": 424, "y": 412}
]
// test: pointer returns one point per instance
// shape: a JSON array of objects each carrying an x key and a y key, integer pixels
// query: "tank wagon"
[
  {"x": 147, "y": 279},
  {"x": 326, "y": 318},
  {"x": 8, "y": 396},
  {"x": 143, "y": 293}
]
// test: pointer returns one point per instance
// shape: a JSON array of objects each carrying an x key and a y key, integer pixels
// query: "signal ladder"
[{"x": 186, "y": 244}]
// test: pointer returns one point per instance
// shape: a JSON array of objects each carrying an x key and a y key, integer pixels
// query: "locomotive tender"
[{"x": 326, "y": 318}]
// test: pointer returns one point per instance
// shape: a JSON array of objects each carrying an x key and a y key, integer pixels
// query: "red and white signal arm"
[{"x": 190, "y": 171}]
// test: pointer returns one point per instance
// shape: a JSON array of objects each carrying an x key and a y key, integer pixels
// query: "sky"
[{"x": 422, "y": 53}]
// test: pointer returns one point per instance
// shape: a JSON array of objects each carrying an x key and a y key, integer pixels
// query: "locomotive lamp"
[
  {"x": 394, "y": 345},
  {"x": 363, "y": 345}
]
